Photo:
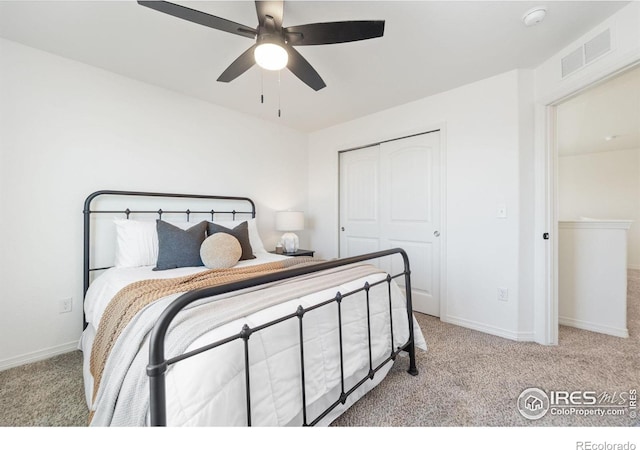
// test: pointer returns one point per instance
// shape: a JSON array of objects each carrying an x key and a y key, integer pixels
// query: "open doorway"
[{"x": 597, "y": 196}]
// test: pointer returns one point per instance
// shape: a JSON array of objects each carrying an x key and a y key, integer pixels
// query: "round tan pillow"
[{"x": 220, "y": 251}]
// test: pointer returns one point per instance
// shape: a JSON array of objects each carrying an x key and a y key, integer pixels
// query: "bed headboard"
[{"x": 128, "y": 204}]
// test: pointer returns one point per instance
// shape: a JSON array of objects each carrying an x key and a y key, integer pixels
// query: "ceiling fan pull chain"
[
  {"x": 261, "y": 85},
  {"x": 279, "y": 71}
]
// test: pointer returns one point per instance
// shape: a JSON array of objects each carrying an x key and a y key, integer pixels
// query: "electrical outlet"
[
  {"x": 66, "y": 305},
  {"x": 503, "y": 294}
]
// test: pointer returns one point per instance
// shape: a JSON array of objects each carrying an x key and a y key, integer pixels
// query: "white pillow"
[
  {"x": 137, "y": 241},
  {"x": 254, "y": 237}
]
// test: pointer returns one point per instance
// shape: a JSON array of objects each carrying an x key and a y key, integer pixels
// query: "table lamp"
[{"x": 289, "y": 221}]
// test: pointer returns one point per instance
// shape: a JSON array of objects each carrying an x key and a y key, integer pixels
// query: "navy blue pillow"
[
  {"x": 241, "y": 233},
  {"x": 178, "y": 247}
]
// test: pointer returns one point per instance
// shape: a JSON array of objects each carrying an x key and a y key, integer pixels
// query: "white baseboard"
[
  {"x": 590, "y": 326},
  {"x": 525, "y": 336},
  {"x": 38, "y": 356}
]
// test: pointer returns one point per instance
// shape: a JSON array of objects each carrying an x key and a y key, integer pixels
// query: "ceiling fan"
[{"x": 274, "y": 44}]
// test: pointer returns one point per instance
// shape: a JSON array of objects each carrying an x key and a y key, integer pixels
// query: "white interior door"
[
  {"x": 359, "y": 201},
  {"x": 410, "y": 213},
  {"x": 390, "y": 197}
]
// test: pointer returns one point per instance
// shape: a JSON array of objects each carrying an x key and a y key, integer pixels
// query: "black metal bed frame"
[{"x": 159, "y": 364}]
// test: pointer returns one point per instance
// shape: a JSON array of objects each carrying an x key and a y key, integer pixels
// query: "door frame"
[
  {"x": 546, "y": 199},
  {"x": 440, "y": 127}
]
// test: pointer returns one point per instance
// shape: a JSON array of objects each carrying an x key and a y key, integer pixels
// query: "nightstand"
[{"x": 300, "y": 252}]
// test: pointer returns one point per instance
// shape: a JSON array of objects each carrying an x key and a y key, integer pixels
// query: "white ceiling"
[
  {"x": 610, "y": 109},
  {"x": 428, "y": 47}
]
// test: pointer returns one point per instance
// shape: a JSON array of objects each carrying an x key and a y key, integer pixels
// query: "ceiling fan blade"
[
  {"x": 334, "y": 32},
  {"x": 243, "y": 63},
  {"x": 200, "y": 17},
  {"x": 272, "y": 8},
  {"x": 303, "y": 70}
]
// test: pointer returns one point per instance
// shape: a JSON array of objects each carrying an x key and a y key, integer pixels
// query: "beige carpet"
[
  {"x": 44, "y": 393},
  {"x": 467, "y": 378}
]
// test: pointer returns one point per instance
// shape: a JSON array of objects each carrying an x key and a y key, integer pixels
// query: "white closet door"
[
  {"x": 410, "y": 213},
  {"x": 390, "y": 197},
  {"x": 359, "y": 201}
]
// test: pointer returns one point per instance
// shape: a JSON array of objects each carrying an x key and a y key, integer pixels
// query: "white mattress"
[{"x": 190, "y": 402}]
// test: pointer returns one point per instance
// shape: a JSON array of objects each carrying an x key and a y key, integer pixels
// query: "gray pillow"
[
  {"x": 241, "y": 233},
  {"x": 177, "y": 247}
]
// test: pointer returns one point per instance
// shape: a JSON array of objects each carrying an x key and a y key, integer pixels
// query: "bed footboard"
[{"x": 159, "y": 364}]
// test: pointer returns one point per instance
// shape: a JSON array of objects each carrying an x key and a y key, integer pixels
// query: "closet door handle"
[
  {"x": 341, "y": 228},
  {"x": 436, "y": 233}
]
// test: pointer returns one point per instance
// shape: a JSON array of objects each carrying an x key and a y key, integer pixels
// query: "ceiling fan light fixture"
[
  {"x": 281, "y": 53},
  {"x": 271, "y": 56}
]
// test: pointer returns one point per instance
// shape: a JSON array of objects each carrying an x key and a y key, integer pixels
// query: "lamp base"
[{"x": 290, "y": 242}]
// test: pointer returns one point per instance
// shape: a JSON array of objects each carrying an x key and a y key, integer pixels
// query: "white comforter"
[{"x": 209, "y": 389}]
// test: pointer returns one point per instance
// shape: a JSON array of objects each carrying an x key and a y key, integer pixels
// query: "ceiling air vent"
[{"x": 587, "y": 53}]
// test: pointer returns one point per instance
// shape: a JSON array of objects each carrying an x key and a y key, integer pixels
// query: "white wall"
[
  {"x": 483, "y": 136},
  {"x": 603, "y": 185},
  {"x": 68, "y": 129},
  {"x": 527, "y": 234}
]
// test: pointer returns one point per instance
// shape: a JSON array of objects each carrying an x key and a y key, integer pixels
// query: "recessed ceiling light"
[{"x": 534, "y": 16}]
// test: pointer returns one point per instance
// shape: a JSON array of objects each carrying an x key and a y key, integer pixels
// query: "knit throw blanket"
[{"x": 136, "y": 296}]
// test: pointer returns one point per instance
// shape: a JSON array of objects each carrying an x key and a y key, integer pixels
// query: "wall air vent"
[
  {"x": 572, "y": 62},
  {"x": 597, "y": 46},
  {"x": 587, "y": 53}
]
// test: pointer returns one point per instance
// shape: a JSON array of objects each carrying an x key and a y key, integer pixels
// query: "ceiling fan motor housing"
[{"x": 270, "y": 37}]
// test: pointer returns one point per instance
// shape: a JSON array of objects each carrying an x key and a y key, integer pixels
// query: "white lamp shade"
[{"x": 289, "y": 220}]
